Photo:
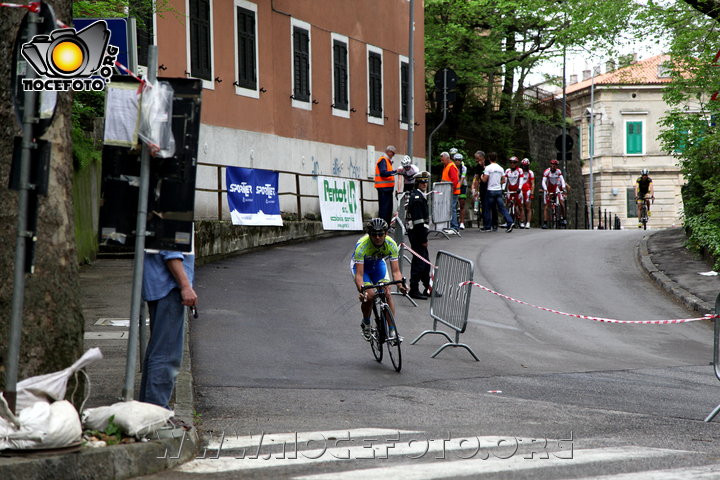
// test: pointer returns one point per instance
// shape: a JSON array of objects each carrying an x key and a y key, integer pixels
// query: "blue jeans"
[
  {"x": 385, "y": 203},
  {"x": 454, "y": 216},
  {"x": 163, "y": 356},
  {"x": 495, "y": 197}
]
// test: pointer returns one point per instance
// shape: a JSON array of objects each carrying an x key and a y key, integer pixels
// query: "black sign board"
[
  {"x": 171, "y": 195},
  {"x": 445, "y": 77}
]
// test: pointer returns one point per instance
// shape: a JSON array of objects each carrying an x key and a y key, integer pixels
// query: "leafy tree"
[{"x": 493, "y": 45}]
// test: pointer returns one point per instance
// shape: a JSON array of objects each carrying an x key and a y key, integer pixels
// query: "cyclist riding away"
[
  {"x": 528, "y": 187},
  {"x": 514, "y": 183},
  {"x": 408, "y": 171},
  {"x": 369, "y": 268},
  {"x": 553, "y": 182},
  {"x": 644, "y": 191}
]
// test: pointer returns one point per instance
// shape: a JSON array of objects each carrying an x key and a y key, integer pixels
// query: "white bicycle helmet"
[
  {"x": 406, "y": 161},
  {"x": 453, "y": 151},
  {"x": 644, "y": 171}
]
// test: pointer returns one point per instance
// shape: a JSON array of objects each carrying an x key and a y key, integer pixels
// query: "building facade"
[
  {"x": 628, "y": 106},
  {"x": 316, "y": 88}
]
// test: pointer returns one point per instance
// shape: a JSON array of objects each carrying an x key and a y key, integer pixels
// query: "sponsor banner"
[
  {"x": 253, "y": 196},
  {"x": 340, "y": 203}
]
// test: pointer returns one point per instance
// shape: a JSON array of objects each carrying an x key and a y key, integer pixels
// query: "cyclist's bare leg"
[
  {"x": 520, "y": 207},
  {"x": 366, "y": 306},
  {"x": 390, "y": 301}
]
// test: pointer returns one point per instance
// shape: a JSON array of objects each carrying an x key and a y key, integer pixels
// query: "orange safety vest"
[
  {"x": 384, "y": 182},
  {"x": 446, "y": 177}
]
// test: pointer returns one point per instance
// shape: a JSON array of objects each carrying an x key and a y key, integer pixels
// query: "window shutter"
[
  {"x": 634, "y": 137},
  {"x": 200, "y": 53},
  {"x": 375, "y": 81},
  {"x": 404, "y": 92},
  {"x": 246, "y": 63},
  {"x": 301, "y": 55},
  {"x": 340, "y": 70}
]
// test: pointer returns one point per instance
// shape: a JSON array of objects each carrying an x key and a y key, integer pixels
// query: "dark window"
[
  {"x": 631, "y": 203},
  {"x": 301, "y": 56},
  {"x": 340, "y": 64},
  {"x": 375, "y": 84},
  {"x": 246, "y": 63},
  {"x": 142, "y": 11},
  {"x": 200, "y": 53},
  {"x": 404, "y": 92}
]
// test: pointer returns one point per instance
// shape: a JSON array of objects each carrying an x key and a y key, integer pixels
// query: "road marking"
[
  {"x": 708, "y": 471},
  {"x": 461, "y": 468},
  {"x": 419, "y": 447},
  {"x": 269, "y": 439}
]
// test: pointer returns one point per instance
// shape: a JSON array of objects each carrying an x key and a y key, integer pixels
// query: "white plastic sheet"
[
  {"x": 156, "y": 119},
  {"x": 134, "y": 418},
  {"x": 41, "y": 426}
]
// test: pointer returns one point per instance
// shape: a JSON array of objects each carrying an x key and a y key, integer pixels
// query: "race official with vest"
[
  {"x": 451, "y": 174},
  {"x": 418, "y": 219},
  {"x": 385, "y": 183}
]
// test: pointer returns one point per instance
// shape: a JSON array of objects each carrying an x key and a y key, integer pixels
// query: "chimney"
[
  {"x": 573, "y": 78},
  {"x": 586, "y": 74}
]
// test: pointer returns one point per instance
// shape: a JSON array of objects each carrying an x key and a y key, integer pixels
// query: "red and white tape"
[{"x": 588, "y": 317}]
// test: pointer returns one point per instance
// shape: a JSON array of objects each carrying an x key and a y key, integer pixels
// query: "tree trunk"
[{"x": 52, "y": 333}]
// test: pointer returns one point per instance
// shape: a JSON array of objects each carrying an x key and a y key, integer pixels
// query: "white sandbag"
[
  {"x": 52, "y": 386},
  {"x": 42, "y": 426},
  {"x": 135, "y": 418}
]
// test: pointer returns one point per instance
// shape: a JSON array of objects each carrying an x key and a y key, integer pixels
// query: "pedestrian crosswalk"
[{"x": 413, "y": 455}]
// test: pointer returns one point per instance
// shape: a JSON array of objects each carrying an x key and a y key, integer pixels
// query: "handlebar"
[{"x": 385, "y": 284}]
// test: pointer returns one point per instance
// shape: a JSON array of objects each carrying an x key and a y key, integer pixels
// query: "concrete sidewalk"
[{"x": 105, "y": 294}]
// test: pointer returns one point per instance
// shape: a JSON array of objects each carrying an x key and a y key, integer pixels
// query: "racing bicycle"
[
  {"x": 644, "y": 216},
  {"x": 556, "y": 220},
  {"x": 513, "y": 205},
  {"x": 384, "y": 323}
]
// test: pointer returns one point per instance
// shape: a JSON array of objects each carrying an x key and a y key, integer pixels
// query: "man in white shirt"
[{"x": 494, "y": 175}]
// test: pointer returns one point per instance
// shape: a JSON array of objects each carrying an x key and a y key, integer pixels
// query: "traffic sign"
[
  {"x": 569, "y": 142},
  {"x": 445, "y": 78}
]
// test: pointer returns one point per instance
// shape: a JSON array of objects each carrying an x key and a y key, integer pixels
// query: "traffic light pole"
[{"x": 445, "y": 95}]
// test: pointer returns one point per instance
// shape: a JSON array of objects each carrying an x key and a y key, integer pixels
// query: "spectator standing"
[
  {"x": 494, "y": 176},
  {"x": 418, "y": 219},
  {"x": 167, "y": 289},
  {"x": 462, "y": 169},
  {"x": 408, "y": 171},
  {"x": 385, "y": 183},
  {"x": 479, "y": 189},
  {"x": 451, "y": 174}
]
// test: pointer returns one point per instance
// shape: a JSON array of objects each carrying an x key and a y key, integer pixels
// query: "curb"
[{"x": 683, "y": 296}]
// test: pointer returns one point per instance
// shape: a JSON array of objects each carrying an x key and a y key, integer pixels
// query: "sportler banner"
[
  {"x": 253, "y": 196},
  {"x": 339, "y": 203}
]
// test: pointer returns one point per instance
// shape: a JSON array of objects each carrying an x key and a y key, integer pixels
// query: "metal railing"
[
  {"x": 298, "y": 193},
  {"x": 716, "y": 353},
  {"x": 452, "y": 306}
]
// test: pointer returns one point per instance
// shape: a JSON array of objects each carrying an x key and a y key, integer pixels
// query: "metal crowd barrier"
[
  {"x": 440, "y": 206},
  {"x": 716, "y": 353},
  {"x": 452, "y": 306},
  {"x": 398, "y": 234}
]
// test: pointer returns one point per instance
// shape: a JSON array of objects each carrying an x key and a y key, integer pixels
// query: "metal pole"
[
  {"x": 592, "y": 145},
  {"x": 411, "y": 80},
  {"x": 132, "y": 350},
  {"x": 16, "y": 320},
  {"x": 429, "y": 152},
  {"x": 564, "y": 122}
]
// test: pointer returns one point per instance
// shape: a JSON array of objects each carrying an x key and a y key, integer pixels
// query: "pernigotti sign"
[
  {"x": 70, "y": 60},
  {"x": 340, "y": 203}
]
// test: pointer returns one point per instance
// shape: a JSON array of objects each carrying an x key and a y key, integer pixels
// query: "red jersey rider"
[
  {"x": 528, "y": 187},
  {"x": 553, "y": 183},
  {"x": 514, "y": 184}
]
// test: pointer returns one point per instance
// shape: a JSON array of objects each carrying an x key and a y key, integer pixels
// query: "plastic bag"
[
  {"x": 43, "y": 425},
  {"x": 135, "y": 418},
  {"x": 156, "y": 119},
  {"x": 52, "y": 386}
]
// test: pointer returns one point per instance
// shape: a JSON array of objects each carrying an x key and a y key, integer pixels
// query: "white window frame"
[
  {"x": 301, "y": 104},
  {"x": 627, "y": 117},
  {"x": 403, "y": 59},
  {"x": 340, "y": 38},
  {"x": 247, "y": 92},
  {"x": 207, "y": 84},
  {"x": 372, "y": 49}
]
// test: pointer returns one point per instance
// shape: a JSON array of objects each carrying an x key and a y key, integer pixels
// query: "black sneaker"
[
  {"x": 365, "y": 330},
  {"x": 544, "y": 226},
  {"x": 417, "y": 295},
  {"x": 510, "y": 228}
]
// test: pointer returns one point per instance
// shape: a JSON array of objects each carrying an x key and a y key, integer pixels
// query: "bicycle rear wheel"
[
  {"x": 393, "y": 346},
  {"x": 377, "y": 337}
]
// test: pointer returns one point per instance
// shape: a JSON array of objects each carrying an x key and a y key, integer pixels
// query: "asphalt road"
[{"x": 277, "y": 349}]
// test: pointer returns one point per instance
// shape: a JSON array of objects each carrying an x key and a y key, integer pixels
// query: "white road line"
[
  {"x": 106, "y": 335},
  {"x": 454, "y": 469},
  {"x": 299, "y": 438},
  {"x": 708, "y": 471},
  {"x": 333, "y": 451}
]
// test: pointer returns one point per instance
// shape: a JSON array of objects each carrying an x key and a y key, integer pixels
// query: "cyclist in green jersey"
[{"x": 369, "y": 268}]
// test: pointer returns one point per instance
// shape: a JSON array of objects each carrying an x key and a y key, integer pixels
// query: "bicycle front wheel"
[
  {"x": 377, "y": 337},
  {"x": 393, "y": 345}
]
